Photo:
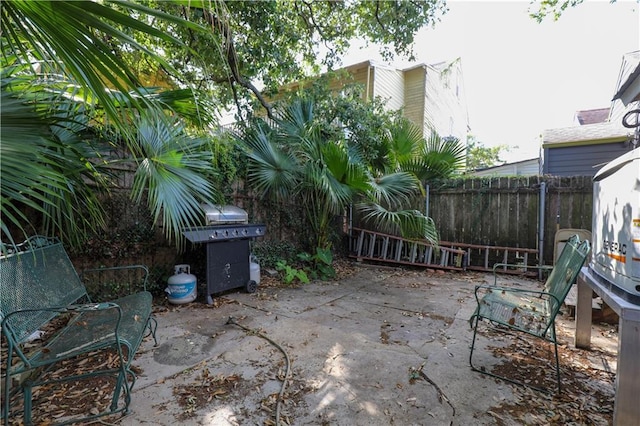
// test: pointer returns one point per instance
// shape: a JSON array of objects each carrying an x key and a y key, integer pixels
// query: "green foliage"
[
  {"x": 172, "y": 174},
  {"x": 299, "y": 160},
  {"x": 552, "y": 7},
  {"x": 312, "y": 266},
  {"x": 407, "y": 150},
  {"x": 309, "y": 159},
  {"x": 228, "y": 163},
  {"x": 85, "y": 38},
  {"x": 481, "y": 157},
  {"x": 43, "y": 161},
  {"x": 223, "y": 49},
  {"x": 270, "y": 252},
  {"x": 365, "y": 121},
  {"x": 320, "y": 264},
  {"x": 237, "y": 51},
  {"x": 290, "y": 274},
  {"x": 125, "y": 70},
  {"x": 57, "y": 158}
]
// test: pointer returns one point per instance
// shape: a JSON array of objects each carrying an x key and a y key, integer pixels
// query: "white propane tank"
[
  {"x": 254, "y": 270},
  {"x": 182, "y": 286}
]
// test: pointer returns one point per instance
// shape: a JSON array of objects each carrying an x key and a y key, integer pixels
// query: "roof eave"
[{"x": 583, "y": 142}]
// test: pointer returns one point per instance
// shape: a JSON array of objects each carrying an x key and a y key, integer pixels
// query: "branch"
[
  {"x": 314, "y": 25},
  {"x": 232, "y": 61},
  {"x": 377, "y": 14},
  {"x": 235, "y": 99},
  {"x": 190, "y": 32}
]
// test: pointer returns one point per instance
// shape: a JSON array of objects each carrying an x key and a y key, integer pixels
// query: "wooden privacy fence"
[
  {"x": 492, "y": 220},
  {"x": 472, "y": 214},
  {"x": 384, "y": 248},
  {"x": 505, "y": 211}
]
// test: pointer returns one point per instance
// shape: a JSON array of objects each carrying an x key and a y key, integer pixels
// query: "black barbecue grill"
[{"x": 227, "y": 236}]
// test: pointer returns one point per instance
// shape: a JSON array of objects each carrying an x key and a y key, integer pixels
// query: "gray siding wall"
[{"x": 582, "y": 160}]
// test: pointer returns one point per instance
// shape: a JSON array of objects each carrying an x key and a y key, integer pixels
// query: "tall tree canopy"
[
  {"x": 554, "y": 8},
  {"x": 78, "y": 71},
  {"x": 253, "y": 47}
]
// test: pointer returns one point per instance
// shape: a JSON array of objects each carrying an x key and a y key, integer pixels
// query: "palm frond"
[
  {"x": 440, "y": 158},
  {"x": 408, "y": 223},
  {"x": 395, "y": 189},
  {"x": 296, "y": 121},
  {"x": 272, "y": 171},
  {"x": 45, "y": 168},
  {"x": 73, "y": 33},
  {"x": 404, "y": 142},
  {"x": 172, "y": 173}
]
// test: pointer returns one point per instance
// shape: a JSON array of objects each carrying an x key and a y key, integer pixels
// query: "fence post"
[
  {"x": 543, "y": 191},
  {"x": 426, "y": 200}
]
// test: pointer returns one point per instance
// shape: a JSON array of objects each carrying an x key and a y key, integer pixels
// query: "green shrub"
[
  {"x": 289, "y": 274},
  {"x": 269, "y": 253},
  {"x": 320, "y": 264}
]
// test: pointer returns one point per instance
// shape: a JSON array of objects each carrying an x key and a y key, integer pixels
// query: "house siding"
[
  {"x": 414, "y": 90},
  {"x": 457, "y": 102},
  {"x": 362, "y": 74},
  {"x": 444, "y": 102},
  {"x": 618, "y": 110},
  {"x": 441, "y": 106},
  {"x": 582, "y": 160},
  {"x": 627, "y": 95},
  {"x": 520, "y": 168},
  {"x": 389, "y": 85}
]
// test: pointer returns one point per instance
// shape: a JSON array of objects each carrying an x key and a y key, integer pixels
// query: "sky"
[{"x": 522, "y": 77}]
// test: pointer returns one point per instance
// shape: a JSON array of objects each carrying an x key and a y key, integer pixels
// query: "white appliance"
[{"x": 616, "y": 225}]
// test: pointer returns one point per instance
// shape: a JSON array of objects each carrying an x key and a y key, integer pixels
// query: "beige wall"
[
  {"x": 431, "y": 96},
  {"x": 362, "y": 74},
  {"x": 414, "y": 98}
]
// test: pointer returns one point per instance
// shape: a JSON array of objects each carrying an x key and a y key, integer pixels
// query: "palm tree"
[
  {"x": 62, "y": 87},
  {"x": 44, "y": 170},
  {"x": 55, "y": 164},
  {"x": 300, "y": 160},
  {"x": 405, "y": 149}
]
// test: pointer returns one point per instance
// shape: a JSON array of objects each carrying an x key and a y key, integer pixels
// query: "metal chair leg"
[
  {"x": 507, "y": 379},
  {"x": 555, "y": 346}
]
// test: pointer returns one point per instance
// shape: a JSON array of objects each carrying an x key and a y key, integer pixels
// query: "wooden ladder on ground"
[
  {"x": 376, "y": 246},
  {"x": 385, "y": 248}
]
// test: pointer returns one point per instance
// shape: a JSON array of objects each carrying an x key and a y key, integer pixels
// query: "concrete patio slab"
[{"x": 381, "y": 347}]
